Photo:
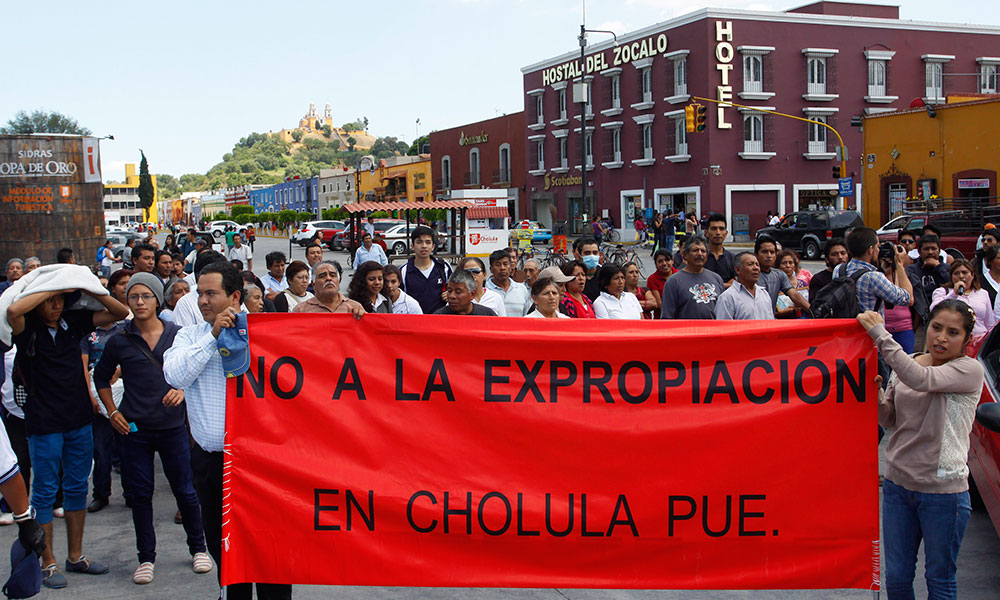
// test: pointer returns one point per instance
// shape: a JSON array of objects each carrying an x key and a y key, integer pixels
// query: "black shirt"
[
  {"x": 592, "y": 290},
  {"x": 723, "y": 266},
  {"x": 477, "y": 309},
  {"x": 818, "y": 281},
  {"x": 58, "y": 397},
  {"x": 145, "y": 386}
]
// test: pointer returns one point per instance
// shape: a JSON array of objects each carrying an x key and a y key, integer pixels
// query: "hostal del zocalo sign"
[{"x": 612, "y": 57}]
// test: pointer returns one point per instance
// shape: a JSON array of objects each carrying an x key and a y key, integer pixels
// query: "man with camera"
[{"x": 866, "y": 254}]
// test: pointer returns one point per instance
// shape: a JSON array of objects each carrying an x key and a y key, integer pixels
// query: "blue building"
[
  {"x": 262, "y": 200},
  {"x": 300, "y": 195}
]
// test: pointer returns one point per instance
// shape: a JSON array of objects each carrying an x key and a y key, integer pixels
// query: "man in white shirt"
[
  {"x": 516, "y": 297},
  {"x": 242, "y": 253},
  {"x": 369, "y": 252},
  {"x": 370, "y": 226},
  {"x": 745, "y": 300}
]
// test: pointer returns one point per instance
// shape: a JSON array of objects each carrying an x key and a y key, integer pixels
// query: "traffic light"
[
  {"x": 689, "y": 117},
  {"x": 836, "y": 172},
  {"x": 701, "y": 117}
]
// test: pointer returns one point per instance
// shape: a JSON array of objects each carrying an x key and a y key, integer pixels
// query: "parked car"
[
  {"x": 984, "y": 449},
  {"x": 310, "y": 231},
  {"x": 120, "y": 238},
  {"x": 540, "y": 233},
  {"x": 218, "y": 228},
  {"x": 339, "y": 242},
  {"x": 959, "y": 231},
  {"x": 807, "y": 230}
]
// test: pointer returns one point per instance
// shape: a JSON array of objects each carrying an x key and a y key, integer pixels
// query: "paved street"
[{"x": 109, "y": 538}]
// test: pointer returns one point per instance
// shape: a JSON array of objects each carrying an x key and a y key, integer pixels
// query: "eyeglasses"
[
  {"x": 143, "y": 297},
  {"x": 907, "y": 242},
  {"x": 474, "y": 270}
]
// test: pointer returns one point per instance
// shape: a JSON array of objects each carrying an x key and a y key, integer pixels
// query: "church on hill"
[{"x": 311, "y": 125}]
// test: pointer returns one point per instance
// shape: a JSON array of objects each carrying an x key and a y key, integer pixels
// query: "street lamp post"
[
  {"x": 367, "y": 163},
  {"x": 581, "y": 95}
]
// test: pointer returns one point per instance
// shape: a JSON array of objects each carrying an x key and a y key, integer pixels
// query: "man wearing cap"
[
  {"x": 194, "y": 364},
  {"x": 151, "y": 419}
]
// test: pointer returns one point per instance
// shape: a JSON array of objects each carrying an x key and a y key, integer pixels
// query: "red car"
[
  {"x": 317, "y": 231},
  {"x": 984, "y": 450}
]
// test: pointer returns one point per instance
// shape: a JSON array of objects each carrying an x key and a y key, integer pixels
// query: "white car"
[{"x": 218, "y": 228}]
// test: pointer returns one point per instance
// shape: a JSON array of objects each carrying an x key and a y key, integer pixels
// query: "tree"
[
  {"x": 357, "y": 125},
  {"x": 351, "y": 142},
  {"x": 297, "y": 135},
  {"x": 384, "y": 147},
  {"x": 192, "y": 182},
  {"x": 417, "y": 147},
  {"x": 41, "y": 121},
  {"x": 327, "y": 131},
  {"x": 314, "y": 143},
  {"x": 146, "y": 192},
  {"x": 168, "y": 186},
  {"x": 242, "y": 209}
]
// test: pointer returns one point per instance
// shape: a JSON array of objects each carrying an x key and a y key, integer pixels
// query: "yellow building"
[
  {"x": 124, "y": 198},
  {"x": 398, "y": 179},
  {"x": 948, "y": 151}
]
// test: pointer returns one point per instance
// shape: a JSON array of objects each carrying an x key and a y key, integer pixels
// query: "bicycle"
[
  {"x": 619, "y": 255},
  {"x": 551, "y": 258}
]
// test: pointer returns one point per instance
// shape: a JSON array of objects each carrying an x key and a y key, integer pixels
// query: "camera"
[{"x": 886, "y": 252}]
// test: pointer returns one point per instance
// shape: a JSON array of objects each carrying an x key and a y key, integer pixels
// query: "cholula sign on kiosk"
[{"x": 486, "y": 222}]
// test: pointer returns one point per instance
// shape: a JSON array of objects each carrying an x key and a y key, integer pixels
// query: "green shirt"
[{"x": 229, "y": 238}]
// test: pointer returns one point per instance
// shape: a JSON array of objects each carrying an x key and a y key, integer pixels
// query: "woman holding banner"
[{"x": 930, "y": 403}]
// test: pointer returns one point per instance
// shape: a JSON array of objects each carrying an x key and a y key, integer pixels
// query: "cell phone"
[{"x": 132, "y": 427}]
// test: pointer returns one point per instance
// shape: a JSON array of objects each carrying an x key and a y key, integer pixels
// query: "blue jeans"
[
  {"x": 72, "y": 450},
  {"x": 174, "y": 448},
  {"x": 938, "y": 519},
  {"x": 668, "y": 243},
  {"x": 905, "y": 339}
]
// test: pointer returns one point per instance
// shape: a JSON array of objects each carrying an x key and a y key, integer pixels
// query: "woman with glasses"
[
  {"x": 297, "y": 275},
  {"x": 484, "y": 297}
]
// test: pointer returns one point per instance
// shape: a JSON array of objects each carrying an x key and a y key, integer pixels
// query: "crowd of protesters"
[{"x": 72, "y": 407}]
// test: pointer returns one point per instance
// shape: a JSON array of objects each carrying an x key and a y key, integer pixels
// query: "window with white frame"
[
  {"x": 540, "y": 153},
  {"x": 988, "y": 78},
  {"x": 753, "y": 73},
  {"x": 590, "y": 149},
  {"x": 680, "y": 137},
  {"x": 816, "y": 75},
  {"x": 877, "y": 77},
  {"x": 646, "y": 77},
  {"x": 753, "y": 133},
  {"x": 647, "y": 141},
  {"x": 934, "y": 81},
  {"x": 562, "y": 103},
  {"x": 680, "y": 76},
  {"x": 616, "y": 91},
  {"x": 616, "y": 145},
  {"x": 446, "y": 172},
  {"x": 539, "y": 109},
  {"x": 474, "y": 166},
  {"x": 817, "y": 135},
  {"x": 505, "y": 163},
  {"x": 563, "y": 154}
]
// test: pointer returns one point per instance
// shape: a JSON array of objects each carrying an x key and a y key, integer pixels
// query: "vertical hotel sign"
[{"x": 724, "y": 64}]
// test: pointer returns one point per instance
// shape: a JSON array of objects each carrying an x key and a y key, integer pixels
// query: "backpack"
[{"x": 839, "y": 298}]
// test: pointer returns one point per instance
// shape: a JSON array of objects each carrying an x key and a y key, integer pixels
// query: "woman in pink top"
[
  {"x": 965, "y": 287},
  {"x": 575, "y": 303}
]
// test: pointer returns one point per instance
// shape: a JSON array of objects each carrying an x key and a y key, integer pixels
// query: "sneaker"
[
  {"x": 97, "y": 504},
  {"x": 201, "y": 562},
  {"x": 59, "y": 513},
  {"x": 7, "y": 519},
  {"x": 52, "y": 578},
  {"x": 143, "y": 574},
  {"x": 85, "y": 565}
]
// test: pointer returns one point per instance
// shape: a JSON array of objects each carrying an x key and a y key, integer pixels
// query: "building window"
[
  {"x": 680, "y": 137},
  {"x": 680, "y": 76},
  {"x": 897, "y": 198},
  {"x": 588, "y": 109},
  {"x": 616, "y": 145},
  {"x": 540, "y": 151},
  {"x": 753, "y": 133},
  {"x": 877, "y": 78},
  {"x": 505, "y": 163},
  {"x": 474, "y": 166},
  {"x": 934, "y": 81},
  {"x": 988, "y": 79},
  {"x": 616, "y": 91},
  {"x": 646, "y": 83},
  {"x": 539, "y": 110},
  {"x": 817, "y": 135},
  {"x": 562, "y": 103},
  {"x": 590, "y": 149},
  {"x": 753, "y": 73},
  {"x": 816, "y": 73},
  {"x": 563, "y": 155},
  {"x": 647, "y": 141}
]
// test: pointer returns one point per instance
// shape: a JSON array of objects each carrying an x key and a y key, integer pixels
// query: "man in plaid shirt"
[{"x": 862, "y": 245}]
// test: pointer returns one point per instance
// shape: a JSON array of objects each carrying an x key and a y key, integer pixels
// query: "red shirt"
[
  {"x": 576, "y": 310},
  {"x": 656, "y": 281}
]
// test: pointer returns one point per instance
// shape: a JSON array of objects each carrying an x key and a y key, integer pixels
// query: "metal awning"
[
  {"x": 367, "y": 206},
  {"x": 487, "y": 212}
]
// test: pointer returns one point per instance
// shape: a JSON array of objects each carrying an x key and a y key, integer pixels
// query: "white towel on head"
[{"x": 52, "y": 278}]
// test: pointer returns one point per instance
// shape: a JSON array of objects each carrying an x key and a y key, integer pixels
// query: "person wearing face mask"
[
  {"x": 965, "y": 288},
  {"x": 929, "y": 404},
  {"x": 589, "y": 252},
  {"x": 483, "y": 296}
]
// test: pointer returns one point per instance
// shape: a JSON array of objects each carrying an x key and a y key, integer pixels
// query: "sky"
[{"x": 184, "y": 80}]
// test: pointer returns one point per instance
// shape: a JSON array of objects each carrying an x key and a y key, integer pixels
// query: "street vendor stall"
[{"x": 486, "y": 230}]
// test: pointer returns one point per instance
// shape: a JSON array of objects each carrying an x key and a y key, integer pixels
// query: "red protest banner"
[{"x": 474, "y": 451}]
